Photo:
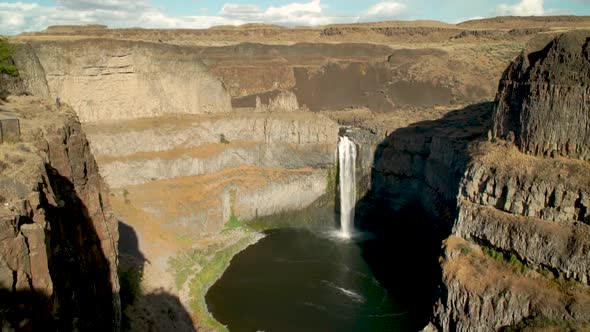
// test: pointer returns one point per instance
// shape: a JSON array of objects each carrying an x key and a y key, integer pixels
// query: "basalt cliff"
[
  {"x": 58, "y": 252},
  {"x": 485, "y": 200},
  {"x": 523, "y": 201}
]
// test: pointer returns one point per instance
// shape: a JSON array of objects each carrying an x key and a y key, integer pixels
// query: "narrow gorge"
[{"x": 367, "y": 177}]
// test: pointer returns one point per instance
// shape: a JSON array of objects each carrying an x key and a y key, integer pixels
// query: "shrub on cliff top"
[{"x": 6, "y": 64}]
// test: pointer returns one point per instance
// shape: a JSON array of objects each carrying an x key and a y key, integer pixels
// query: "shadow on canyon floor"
[
  {"x": 26, "y": 311},
  {"x": 412, "y": 204},
  {"x": 82, "y": 297},
  {"x": 154, "y": 311}
]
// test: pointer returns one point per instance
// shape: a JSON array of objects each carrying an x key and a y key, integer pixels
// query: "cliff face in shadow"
[
  {"x": 326, "y": 76},
  {"x": 58, "y": 252},
  {"x": 511, "y": 228},
  {"x": 411, "y": 204},
  {"x": 518, "y": 257},
  {"x": 425, "y": 162}
]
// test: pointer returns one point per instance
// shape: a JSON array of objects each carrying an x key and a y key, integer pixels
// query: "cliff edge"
[
  {"x": 58, "y": 236},
  {"x": 517, "y": 258}
]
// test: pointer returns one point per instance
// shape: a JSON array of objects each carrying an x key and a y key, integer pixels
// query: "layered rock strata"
[
  {"x": 189, "y": 146},
  {"x": 518, "y": 256},
  {"x": 487, "y": 294},
  {"x": 245, "y": 164}
]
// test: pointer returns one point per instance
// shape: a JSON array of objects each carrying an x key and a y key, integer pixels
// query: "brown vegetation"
[{"x": 482, "y": 274}]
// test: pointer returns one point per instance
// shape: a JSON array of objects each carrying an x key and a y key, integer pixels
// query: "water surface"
[{"x": 304, "y": 280}]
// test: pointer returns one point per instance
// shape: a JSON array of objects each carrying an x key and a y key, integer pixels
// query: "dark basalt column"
[{"x": 543, "y": 101}]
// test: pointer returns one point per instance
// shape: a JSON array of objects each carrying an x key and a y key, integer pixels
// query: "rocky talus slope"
[
  {"x": 519, "y": 253},
  {"x": 58, "y": 235}
]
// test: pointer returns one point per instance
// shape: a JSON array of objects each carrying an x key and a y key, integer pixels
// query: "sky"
[{"x": 23, "y": 15}]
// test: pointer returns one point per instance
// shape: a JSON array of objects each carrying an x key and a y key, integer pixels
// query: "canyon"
[{"x": 471, "y": 139}]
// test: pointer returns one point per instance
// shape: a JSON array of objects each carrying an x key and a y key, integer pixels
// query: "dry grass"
[
  {"x": 199, "y": 152},
  {"x": 176, "y": 197},
  {"x": 508, "y": 160},
  {"x": 20, "y": 161},
  {"x": 384, "y": 123},
  {"x": 481, "y": 274},
  {"x": 508, "y": 22},
  {"x": 181, "y": 262},
  {"x": 176, "y": 122}
]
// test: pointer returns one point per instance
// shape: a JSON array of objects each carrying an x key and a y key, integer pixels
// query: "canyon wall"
[
  {"x": 425, "y": 161},
  {"x": 135, "y": 152},
  {"x": 189, "y": 136},
  {"x": 105, "y": 79},
  {"x": 198, "y": 171},
  {"x": 157, "y": 112},
  {"x": 351, "y": 75},
  {"x": 58, "y": 252},
  {"x": 515, "y": 218},
  {"x": 518, "y": 256}
]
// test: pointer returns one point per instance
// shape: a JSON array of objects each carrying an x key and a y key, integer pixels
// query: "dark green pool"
[{"x": 305, "y": 280}]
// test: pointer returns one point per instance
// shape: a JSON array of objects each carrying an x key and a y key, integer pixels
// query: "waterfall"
[{"x": 347, "y": 161}]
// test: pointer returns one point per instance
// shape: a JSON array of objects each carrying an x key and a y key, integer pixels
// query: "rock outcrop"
[
  {"x": 30, "y": 79},
  {"x": 284, "y": 101},
  {"x": 533, "y": 207},
  {"x": 58, "y": 236},
  {"x": 518, "y": 256},
  {"x": 543, "y": 101},
  {"x": 425, "y": 161},
  {"x": 487, "y": 294},
  {"x": 108, "y": 79}
]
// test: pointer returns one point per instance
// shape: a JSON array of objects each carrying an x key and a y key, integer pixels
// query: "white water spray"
[{"x": 347, "y": 161}]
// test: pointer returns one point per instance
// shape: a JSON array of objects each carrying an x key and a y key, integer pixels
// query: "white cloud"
[
  {"x": 523, "y": 8},
  {"x": 239, "y": 10},
  {"x": 307, "y": 13},
  {"x": 104, "y": 4},
  {"x": 313, "y": 7},
  {"x": 384, "y": 11},
  {"x": 465, "y": 19},
  {"x": 19, "y": 16}
]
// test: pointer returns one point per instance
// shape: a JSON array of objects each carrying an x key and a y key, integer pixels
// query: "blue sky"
[{"x": 24, "y": 15}]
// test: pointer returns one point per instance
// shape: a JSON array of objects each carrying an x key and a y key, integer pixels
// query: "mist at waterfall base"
[
  {"x": 308, "y": 279},
  {"x": 329, "y": 276}
]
